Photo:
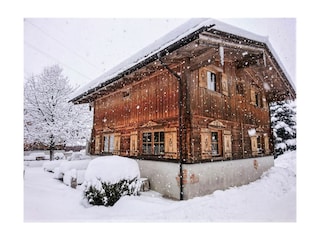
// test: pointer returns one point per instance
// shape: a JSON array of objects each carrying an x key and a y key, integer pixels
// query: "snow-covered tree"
[
  {"x": 283, "y": 120},
  {"x": 49, "y": 119}
]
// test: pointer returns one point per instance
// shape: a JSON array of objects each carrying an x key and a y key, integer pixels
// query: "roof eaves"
[{"x": 143, "y": 62}]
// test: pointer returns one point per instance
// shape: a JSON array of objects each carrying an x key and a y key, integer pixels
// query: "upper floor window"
[
  {"x": 256, "y": 97},
  {"x": 211, "y": 81}
]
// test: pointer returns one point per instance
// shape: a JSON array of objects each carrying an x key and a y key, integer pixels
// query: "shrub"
[
  {"x": 109, "y": 178},
  {"x": 107, "y": 194}
]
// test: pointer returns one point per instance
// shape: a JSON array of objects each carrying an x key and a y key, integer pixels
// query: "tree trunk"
[{"x": 51, "y": 147}]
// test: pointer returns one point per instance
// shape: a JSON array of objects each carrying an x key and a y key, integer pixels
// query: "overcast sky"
[{"x": 86, "y": 48}]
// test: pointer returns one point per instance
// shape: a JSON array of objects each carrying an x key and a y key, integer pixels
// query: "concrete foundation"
[{"x": 202, "y": 178}]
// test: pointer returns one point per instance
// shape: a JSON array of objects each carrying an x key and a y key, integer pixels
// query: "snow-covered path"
[{"x": 271, "y": 198}]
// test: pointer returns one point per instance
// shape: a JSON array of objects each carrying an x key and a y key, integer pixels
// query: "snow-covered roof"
[{"x": 149, "y": 53}]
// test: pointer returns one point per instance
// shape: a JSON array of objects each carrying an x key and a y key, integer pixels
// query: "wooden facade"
[{"x": 205, "y": 97}]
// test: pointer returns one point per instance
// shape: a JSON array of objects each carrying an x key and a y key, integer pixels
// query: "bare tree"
[{"x": 49, "y": 118}]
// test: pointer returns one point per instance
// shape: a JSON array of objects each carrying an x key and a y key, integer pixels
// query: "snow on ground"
[{"x": 269, "y": 199}]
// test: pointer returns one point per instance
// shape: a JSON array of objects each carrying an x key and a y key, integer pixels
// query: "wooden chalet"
[{"x": 198, "y": 95}]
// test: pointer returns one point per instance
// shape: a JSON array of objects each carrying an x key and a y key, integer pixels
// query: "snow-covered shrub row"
[
  {"x": 66, "y": 166},
  {"x": 109, "y": 178}
]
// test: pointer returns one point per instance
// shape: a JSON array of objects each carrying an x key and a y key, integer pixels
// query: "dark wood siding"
[
  {"x": 235, "y": 111},
  {"x": 154, "y": 98}
]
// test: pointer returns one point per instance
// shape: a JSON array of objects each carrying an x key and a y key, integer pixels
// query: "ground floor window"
[
  {"x": 259, "y": 144},
  {"x": 153, "y": 143},
  {"x": 108, "y": 145},
  {"x": 211, "y": 143},
  {"x": 215, "y": 143}
]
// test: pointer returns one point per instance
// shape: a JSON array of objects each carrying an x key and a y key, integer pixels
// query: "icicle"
[{"x": 221, "y": 53}]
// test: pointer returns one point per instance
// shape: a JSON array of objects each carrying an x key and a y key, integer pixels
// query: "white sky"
[{"x": 86, "y": 48}]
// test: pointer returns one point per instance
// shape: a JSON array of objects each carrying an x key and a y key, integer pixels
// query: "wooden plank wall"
[
  {"x": 234, "y": 110},
  {"x": 154, "y": 98}
]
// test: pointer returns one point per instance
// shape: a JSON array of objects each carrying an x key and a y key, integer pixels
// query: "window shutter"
[
  {"x": 253, "y": 96},
  {"x": 206, "y": 143},
  {"x": 134, "y": 143},
  {"x": 170, "y": 144},
  {"x": 203, "y": 78},
  {"x": 116, "y": 143},
  {"x": 224, "y": 84},
  {"x": 266, "y": 144},
  {"x": 264, "y": 102},
  {"x": 227, "y": 144},
  {"x": 254, "y": 145},
  {"x": 97, "y": 145}
]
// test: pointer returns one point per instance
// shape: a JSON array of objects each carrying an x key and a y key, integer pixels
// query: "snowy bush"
[
  {"x": 78, "y": 165},
  {"x": 59, "y": 156},
  {"x": 108, "y": 194},
  {"x": 109, "y": 178}
]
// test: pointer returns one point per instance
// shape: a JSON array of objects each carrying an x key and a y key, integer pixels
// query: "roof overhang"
[{"x": 202, "y": 36}]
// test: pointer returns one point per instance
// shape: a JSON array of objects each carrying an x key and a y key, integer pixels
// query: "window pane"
[
  {"x": 162, "y": 148},
  {"x": 211, "y": 80},
  {"x": 146, "y": 148},
  {"x": 156, "y": 137},
  {"x": 111, "y": 143},
  {"x": 146, "y": 137},
  {"x": 156, "y": 149},
  {"x": 161, "y": 136}
]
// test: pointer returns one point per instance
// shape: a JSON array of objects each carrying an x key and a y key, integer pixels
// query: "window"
[
  {"x": 212, "y": 78},
  {"x": 215, "y": 144},
  {"x": 211, "y": 81},
  {"x": 211, "y": 143},
  {"x": 108, "y": 146},
  {"x": 147, "y": 143},
  {"x": 256, "y": 97},
  {"x": 153, "y": 143},
  {"x": 259, "y": 144}
]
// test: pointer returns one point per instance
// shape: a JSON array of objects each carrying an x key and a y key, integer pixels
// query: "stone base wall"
[{"x": 202, "y": 178}]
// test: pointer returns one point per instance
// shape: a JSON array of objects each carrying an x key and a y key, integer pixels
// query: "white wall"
[{"x": 202, "y": 178}]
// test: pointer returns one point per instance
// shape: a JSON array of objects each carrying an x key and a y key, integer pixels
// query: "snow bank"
[
  {"x": 112, "y": 169},
  {"x": 51, "y": 165},
  {"x": 78, "y": 165},
  {"x": 78, "y": 156},
  {"x": 59, "y": 156},
  {"x": 36, "y": 155},
  {"x": 73, "y": 173},
  {"x": 271, "y": 198}
]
